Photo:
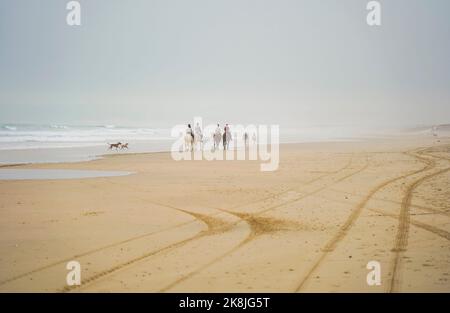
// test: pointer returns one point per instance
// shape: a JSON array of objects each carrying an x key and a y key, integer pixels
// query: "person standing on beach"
[
  {"x": 224, "y": 139},
  {"x": 189, "y": 131}
]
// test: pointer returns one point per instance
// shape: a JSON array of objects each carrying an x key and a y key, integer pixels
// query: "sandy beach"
[{"x": 225, "y": 226}]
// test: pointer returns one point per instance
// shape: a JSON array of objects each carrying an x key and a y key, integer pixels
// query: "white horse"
[
  {"x": 198, "y": 141},
  {"x": 217, "y": 138},
  {"x": 254, "y": 138},
  {"x": 188, "y": 142}
]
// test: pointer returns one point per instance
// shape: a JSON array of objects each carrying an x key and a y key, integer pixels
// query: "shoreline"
[
  {"x": 105, "y": 154},
  {"x": 112, "y": 153},
  {"x": 122, "y": 154},
  {"x": 91, "y": 151}
]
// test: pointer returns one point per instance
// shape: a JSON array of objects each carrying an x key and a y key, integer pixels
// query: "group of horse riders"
[{"x": 217, "y": 136}]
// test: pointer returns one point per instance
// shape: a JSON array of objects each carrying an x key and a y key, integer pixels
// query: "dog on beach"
[{"x": 114, "y": 145}]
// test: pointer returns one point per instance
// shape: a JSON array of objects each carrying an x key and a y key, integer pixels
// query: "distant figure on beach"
[
  {"x": 434, "y": 131},
  {"x": 189, "y": 139},
  {"x": 254, "y": 138},
  {"x": 246, "y": 139},
  {"x": 226, "y": 137},
  {"x": 198, "y": 136},
  {"x": 198, "y": 130},
  {"x": 217, "y": 137}
]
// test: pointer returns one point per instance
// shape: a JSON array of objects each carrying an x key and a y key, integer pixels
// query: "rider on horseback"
[
  {"x": 198, "y": 132},
  {"x": 189, "y": 131}
]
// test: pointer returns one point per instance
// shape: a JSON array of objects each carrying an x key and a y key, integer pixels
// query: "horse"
[
  {"x": 198, "y": 140},
  {"x": 226, "y": 140},
  {"x": 188, "y": 142},
  {"x": 217, "y": 137}
]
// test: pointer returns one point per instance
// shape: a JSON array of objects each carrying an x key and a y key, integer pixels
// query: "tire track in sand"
[
  {"x": 333, "y": 242},
  {"x": 246, "y": 240},
  {"x": 215, "y": 226},
  {"x": 212, "y": 223},
  {"x": 422, "y": 207},
  {"x": 255, "y": 230},
  {"x": 437, "y": 231},
  {"x": 83, "y": 254},
  {"x": 128, "y": 240},
  {"x": 261, "y": 225},
  {"x": 401, "y": 239},
  {"x": 258, "y": 226},
  {"x": 273, "y": 196},
  {"x": 108, "y": 246}
]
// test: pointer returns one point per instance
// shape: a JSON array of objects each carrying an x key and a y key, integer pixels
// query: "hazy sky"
[{"x": 291, "y": 62}]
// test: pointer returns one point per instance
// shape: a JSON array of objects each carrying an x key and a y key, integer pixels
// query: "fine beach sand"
[{"x": 225, "y": 226}]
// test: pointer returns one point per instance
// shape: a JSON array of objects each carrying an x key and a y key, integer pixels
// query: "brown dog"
[{"x": 114, "y": 145}]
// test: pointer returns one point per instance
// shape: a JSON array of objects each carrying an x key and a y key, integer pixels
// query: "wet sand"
[
  {"x": 46, "y": 174},
  {"x": 210, "y": 226}
]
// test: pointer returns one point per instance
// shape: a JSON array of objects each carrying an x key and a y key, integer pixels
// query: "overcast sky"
[{"x": 290, "y": 62}]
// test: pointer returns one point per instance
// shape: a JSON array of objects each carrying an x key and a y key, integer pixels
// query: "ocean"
[
  {"x": 62, "y": 136},
  {"x": 26, "y": 143}
]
